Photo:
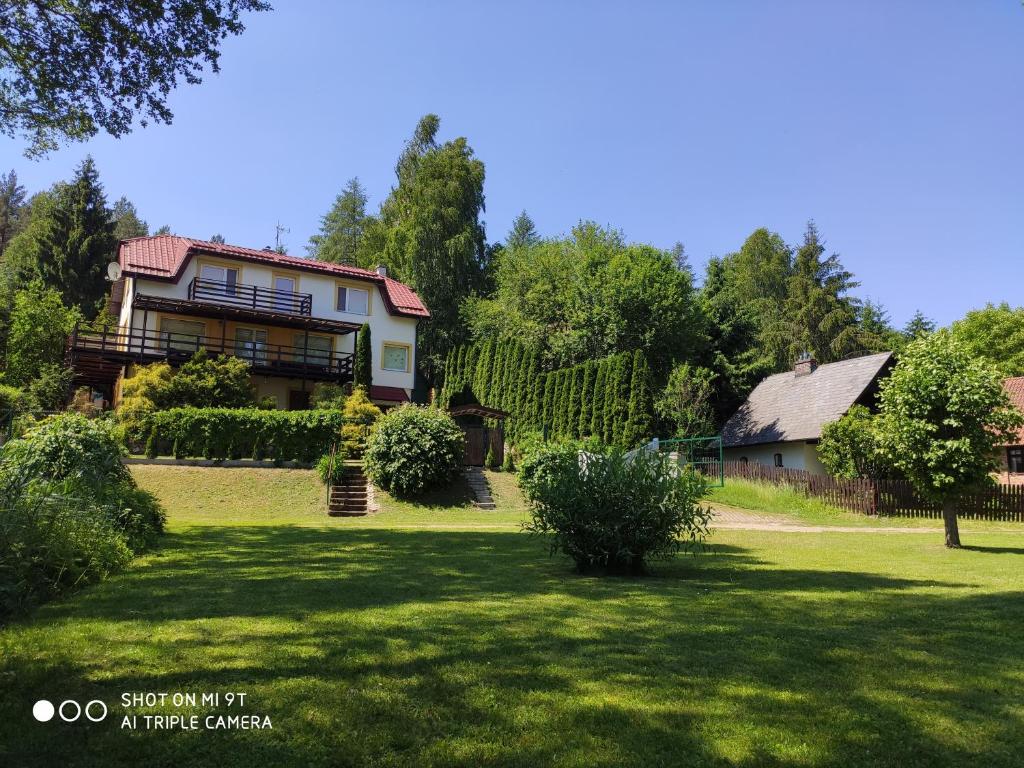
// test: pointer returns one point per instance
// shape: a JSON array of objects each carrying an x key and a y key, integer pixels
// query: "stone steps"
[
  {"x": 477, "y": 482},
  {"x": 353, "y": 497}
]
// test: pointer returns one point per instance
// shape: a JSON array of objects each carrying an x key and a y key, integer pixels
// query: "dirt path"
[{"x": 748, "y": 520}]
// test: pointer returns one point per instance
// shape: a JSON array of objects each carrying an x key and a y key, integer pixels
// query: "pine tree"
[
  {"x": 13, "y": 210},
  {"x": 586, "y": 400},
  {"x": 500, "y": 385},
  {"x": 523, "y": 233},
  {"x": 69, "y": 242},
  {"x": 127, "y": 223},
  {"x": 512, "y": 377},
  {"x": 597, "y": 407},
  {"x": 341, "y": 228},
  {"x": 640, "y": 424},
  {"x": 363, "y": 373}
]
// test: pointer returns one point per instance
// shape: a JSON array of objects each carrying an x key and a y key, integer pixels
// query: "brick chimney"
[
  {"x": 382, "y": 270},
  {"x": 805, "y": 364}
]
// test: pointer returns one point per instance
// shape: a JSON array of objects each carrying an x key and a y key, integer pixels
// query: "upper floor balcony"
[{"x": 251, "y": 297}]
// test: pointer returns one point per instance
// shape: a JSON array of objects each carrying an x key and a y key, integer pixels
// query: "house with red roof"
[
  {"x": 1012, "y": 454},
  {"x": 292, "y": 319}
]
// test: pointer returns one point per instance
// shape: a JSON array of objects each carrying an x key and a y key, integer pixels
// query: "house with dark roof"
[
  {"x": 780, "y": 423},
  {"x": 292, "y": 319},
  {"x": 1011, "y": 455}
]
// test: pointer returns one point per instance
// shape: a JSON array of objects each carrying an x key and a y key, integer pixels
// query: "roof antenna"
[{"x": 278, "y": 229}]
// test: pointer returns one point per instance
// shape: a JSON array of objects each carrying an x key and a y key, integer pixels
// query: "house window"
[
  {"x": 251, "y": 344},
  {"x": 284, "y": 287},
  {"x": 315, "y": 351},
  {"x": 395, "y": 357},
  {"x": 225, "y": 277},
  {"x": 182, "y": 335},
  {"x": 778, "y": 459},
  {"x": 1015, "y": 460},
  {"x": 355, "y": 301}
]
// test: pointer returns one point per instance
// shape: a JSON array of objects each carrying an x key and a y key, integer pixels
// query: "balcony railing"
[
  {"x": 176, "y": 348},
  {"x": 250, "y": 297}
]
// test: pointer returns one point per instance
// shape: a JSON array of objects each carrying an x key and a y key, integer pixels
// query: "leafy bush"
[
  {"x": 850, "y": 446},
  {"x": 413, "y": 449},
  {"x": 613, "y": 511},
  {"x": 14, "y": 401},
  {"x": 360, "y": 415},
  {"x": 53, "y": 542},
  {"x": 328, "y": 396},
  {"x": 204, "y": 381},
  {"x": 331, "y": 468},
  {"x": 219, "y": 432},
  {"x": 70, "y": 511}
]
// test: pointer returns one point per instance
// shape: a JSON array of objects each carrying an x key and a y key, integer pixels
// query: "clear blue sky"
[{"x": 897, "y": 126}]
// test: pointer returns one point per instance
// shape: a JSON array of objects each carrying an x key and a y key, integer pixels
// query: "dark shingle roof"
[{"x": 790, "y": 407}]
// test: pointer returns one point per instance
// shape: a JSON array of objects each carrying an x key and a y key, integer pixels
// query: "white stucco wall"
[
  {"x": 795, "y": 455},
  {"x": 384, "y": 327}
]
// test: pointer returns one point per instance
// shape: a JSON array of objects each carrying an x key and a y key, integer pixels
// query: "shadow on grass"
[
  {"x": 404, "y": 647},
  {"x": 994, "y": 550}
]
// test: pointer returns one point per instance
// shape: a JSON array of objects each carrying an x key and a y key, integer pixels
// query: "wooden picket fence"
[{"x": 895, "y": 498}]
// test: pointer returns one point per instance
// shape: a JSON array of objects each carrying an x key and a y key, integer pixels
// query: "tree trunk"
[{"x": 949, "y": 519}]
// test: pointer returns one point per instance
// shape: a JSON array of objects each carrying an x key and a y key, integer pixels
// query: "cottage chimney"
[
  {"x": 382, "y": 270},
  {"x": 805, "y": 364}
]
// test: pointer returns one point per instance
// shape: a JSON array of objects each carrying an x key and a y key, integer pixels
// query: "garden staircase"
[
  {"x": 352, "y": 498},
  {"x": 481, "y": 489}
]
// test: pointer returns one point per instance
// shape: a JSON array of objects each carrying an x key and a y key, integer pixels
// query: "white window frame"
[
  {"x": 346, "y": 309},
  {"x": 229, "y": 288}
]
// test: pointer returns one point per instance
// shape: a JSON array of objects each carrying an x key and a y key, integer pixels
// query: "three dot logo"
[{"x": 69, "y": 711}]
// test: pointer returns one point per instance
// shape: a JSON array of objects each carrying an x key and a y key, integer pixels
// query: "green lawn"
[{"x": 444, "y": 636}]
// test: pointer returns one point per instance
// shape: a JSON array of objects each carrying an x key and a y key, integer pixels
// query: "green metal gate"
[{"x": 703, "y": 454}]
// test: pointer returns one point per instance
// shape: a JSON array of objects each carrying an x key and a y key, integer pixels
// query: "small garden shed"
[{"x": 484, "y": 427}]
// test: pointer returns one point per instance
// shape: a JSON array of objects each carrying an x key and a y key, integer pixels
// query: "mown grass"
[
  {"x": 789, "y": 502},
  {"x": 388, "y": 641}
]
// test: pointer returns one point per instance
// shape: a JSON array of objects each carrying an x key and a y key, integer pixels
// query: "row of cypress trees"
[{"x": 609, "y": 399}]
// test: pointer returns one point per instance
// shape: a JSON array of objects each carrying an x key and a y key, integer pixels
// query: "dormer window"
[{"x": 354, "y": 301}]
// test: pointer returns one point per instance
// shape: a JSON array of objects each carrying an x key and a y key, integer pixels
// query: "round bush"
[
  {"x": 613, "y": 511},
  {"x": 413, "y": 449}
]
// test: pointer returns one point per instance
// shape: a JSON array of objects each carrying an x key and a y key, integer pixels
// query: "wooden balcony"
[
  {"x": 97, "y": 355},
  {"x": 254, "y": 297}
]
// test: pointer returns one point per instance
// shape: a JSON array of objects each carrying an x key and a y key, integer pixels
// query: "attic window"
[{"x": 778, "y": 459}]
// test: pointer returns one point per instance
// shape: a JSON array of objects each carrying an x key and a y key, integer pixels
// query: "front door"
[{"x": 298, "y": 400}]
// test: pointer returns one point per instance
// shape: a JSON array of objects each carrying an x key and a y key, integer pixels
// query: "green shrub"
[
  {"x": 70, "y": 511},
  {"x": 613, "y": 511},
  {"x": 328, "y": 396},
  {"x": 491, "y": 459},
  {"x": 53, "y": 542},
  {"x": 331, "y": 468},
  {"x": 507, "y": 465},
  {"x": 221, "y": 432},
  {"x": 360, "y": 415},
  {"x": 413, "y": 449},
  {"x": 152, "y": 443}
]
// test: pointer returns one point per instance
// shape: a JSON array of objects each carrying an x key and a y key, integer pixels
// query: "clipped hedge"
[{"x": 242, "y": 433}]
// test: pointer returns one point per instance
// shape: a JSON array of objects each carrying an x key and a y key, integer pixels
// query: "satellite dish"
[{"x": 113, "y": 271}]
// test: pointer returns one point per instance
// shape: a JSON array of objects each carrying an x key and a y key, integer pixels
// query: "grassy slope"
[{"x": 392, "y": 641}]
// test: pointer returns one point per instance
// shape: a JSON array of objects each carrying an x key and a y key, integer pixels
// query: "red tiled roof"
[
  {"x": 391, "y": 394},
  {"x": 1015, "y": 389},
  {"x": 163, "y": 257}
]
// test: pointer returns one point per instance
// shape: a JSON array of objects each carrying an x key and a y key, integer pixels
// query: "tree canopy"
[
  {"x": 943, "y": 412},
  {"x": 341, "y": 228},
  {"x": 994, "y": 334},
  {"x": 71, "y": 69}
]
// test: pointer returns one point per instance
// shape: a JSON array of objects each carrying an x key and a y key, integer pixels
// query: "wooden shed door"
[{"x": 475, "y": 448}]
